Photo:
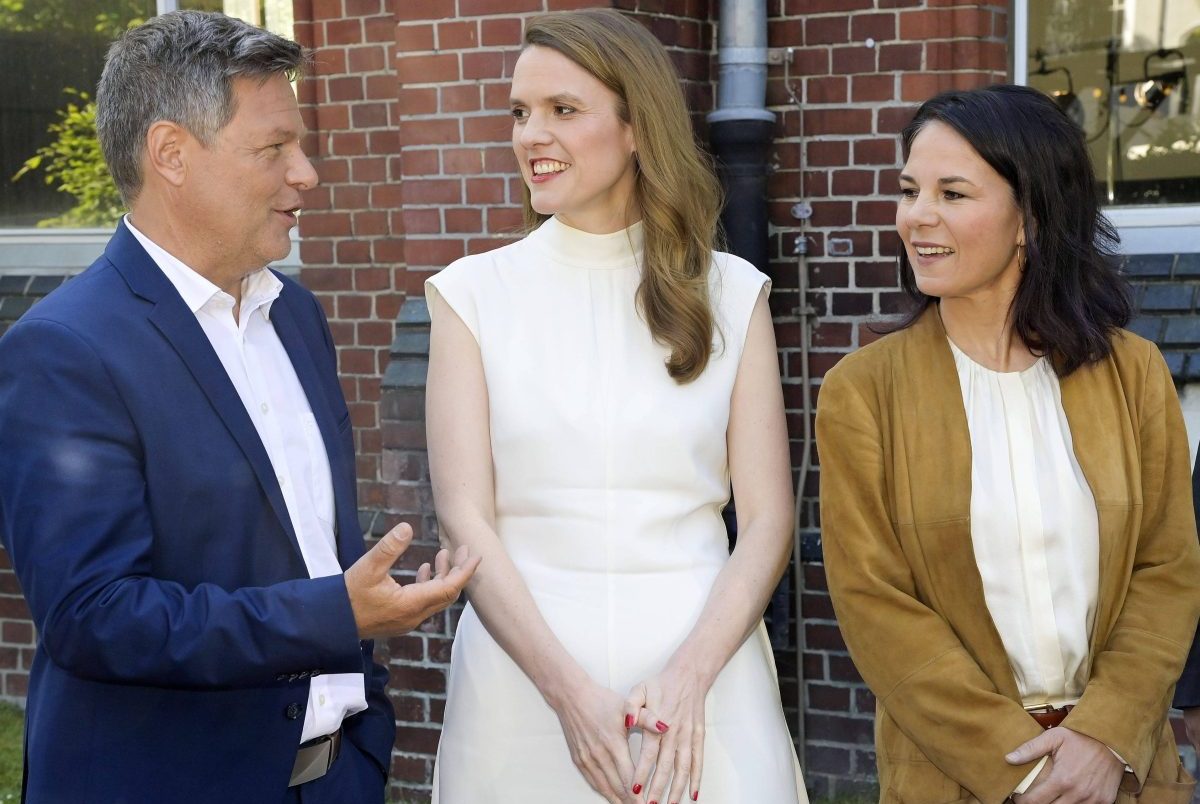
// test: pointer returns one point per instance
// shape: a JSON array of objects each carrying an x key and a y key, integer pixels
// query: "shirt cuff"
[
  {"x": 1028, "y": 780},
  {"x": 1121, "y": 759}
]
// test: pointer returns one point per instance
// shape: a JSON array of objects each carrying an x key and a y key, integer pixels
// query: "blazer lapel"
[
  {"x": 936, "y": 440},
  {"x": 1099, "y": 419},
  {"x": 937, "y": 443},
  {"x": 341, "y": 465},
  {"x": 179, "y": 326}
]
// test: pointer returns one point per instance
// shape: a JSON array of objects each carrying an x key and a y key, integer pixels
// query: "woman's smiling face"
[
  {"x": 958, "y": 219},
  {"x": 575, "y": 152}
]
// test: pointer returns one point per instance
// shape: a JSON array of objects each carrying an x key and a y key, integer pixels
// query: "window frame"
[
  {"x": 27, "y": 251},
  {"x": 1148, "y": 229}
]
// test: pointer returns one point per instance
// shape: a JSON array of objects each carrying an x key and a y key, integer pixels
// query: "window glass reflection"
[
  {"x": 1126, "y": 71},
  {"x": 274, "y": 15},
  {"x": 52, "y": 52},
  {"x": 52, "y": 174}
]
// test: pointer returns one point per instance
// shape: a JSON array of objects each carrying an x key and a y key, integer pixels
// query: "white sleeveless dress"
[{"x": 610, "y": 479}]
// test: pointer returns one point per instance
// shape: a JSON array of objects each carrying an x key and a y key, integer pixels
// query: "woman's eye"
[
  {"x": 908, "y": 192},
  {"x": 518, "y": 114},
  {"x": 561, "y": 110},
  {"x": 952, "y": 196}
]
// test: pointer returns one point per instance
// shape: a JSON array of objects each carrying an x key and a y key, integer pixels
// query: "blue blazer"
[{"x": 177, "y": 626}]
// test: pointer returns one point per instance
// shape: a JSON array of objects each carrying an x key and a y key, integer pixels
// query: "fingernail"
[
  {"x": 1011, "y": 757},
  {"x": 696, "y": 796},
  {"x": 637, "y": 788},
  {"x": 629, "y": 720},
  {"x": 662, "y": 727}
]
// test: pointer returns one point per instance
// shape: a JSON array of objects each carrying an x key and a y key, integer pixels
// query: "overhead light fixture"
[
  {"x": 1064, "y": 98},
  {"x": 1150, "y": 92}
]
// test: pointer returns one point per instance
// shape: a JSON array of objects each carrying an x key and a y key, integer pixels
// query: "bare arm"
[{"x": 460, "y": 465}]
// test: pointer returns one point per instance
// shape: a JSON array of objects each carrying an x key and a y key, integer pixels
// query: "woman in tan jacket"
[{"x": 1005, "y": 494}]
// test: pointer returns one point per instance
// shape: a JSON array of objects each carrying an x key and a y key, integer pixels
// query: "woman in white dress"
[
  {"x": 1005, "y": 508},
  {"x": 593, "y": 390}
]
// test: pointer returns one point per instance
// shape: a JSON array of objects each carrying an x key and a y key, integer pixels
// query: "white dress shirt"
[
  {"x": 1034, "y": 529},
  {"x": 260, "y": 370}
]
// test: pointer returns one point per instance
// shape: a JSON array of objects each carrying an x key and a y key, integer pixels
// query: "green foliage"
[
  {"x": 108, "y": 18},
  {"x": 74, "y": 162},
  {"x": 12, "y": 740}
]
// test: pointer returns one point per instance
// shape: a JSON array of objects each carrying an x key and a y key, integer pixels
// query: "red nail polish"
[
  {"x": 629, "y": 721},
  {"x": 662, "y": 727},
  {"x": 696, "y": 796},
  {"x": 637, "y": 788}
]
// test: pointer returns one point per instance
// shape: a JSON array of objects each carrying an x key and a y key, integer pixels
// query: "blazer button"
[{"x": 293, "y": 711}]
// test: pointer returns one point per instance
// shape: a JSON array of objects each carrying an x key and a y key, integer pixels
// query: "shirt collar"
[{"x": 259, "y": 289}]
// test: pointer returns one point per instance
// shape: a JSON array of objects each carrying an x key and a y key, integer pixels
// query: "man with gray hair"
[{"x": 177, "y": 490}]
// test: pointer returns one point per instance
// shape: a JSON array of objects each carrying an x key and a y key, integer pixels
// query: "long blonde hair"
[{"x": 678, "y": 193}]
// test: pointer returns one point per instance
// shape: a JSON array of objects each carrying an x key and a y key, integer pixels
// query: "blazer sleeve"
[
  {"x": 1134, "y": 672},
  {"x": 1187, "y": 691},
  {"x": 917, "y": 667},
  {"x": 78, "y": 530}
]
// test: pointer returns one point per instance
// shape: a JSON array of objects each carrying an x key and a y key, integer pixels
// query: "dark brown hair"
[{"x": 1071, "y": 296}]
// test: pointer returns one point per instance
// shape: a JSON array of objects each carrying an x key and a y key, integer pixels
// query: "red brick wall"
[
  {"x": 408, "y": 109},
  {"x": 16, "y": 635}
]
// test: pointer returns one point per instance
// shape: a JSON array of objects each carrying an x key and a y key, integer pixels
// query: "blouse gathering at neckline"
[{"x": 963, "y": 360}]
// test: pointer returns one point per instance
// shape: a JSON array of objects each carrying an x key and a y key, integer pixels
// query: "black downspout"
[{"x": 740, "y": 148}]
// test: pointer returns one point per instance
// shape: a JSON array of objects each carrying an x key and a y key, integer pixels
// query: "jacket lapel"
[
  {"x": 937, "y": 442},
  {"x": 283, "y": 318},
  {"x": 1101, "y": 431},
  {"x": 179, "y": 326}
]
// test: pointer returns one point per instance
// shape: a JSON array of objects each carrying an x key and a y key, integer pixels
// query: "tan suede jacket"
[{"x": 895, "y": 457}]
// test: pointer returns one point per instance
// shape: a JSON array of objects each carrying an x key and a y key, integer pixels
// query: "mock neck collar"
[{"x": 621, "y": 249}]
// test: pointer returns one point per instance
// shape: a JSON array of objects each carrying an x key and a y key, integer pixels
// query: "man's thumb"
[
  {"x": 393, "y": 544},
  {"x": 1036, "y": 748}
]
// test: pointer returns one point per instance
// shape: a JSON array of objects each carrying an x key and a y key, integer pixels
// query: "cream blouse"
[{"x": 1034, "y": 527}]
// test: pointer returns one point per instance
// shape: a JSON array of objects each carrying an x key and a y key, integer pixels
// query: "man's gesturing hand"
[{"x": 384, "y": 608}]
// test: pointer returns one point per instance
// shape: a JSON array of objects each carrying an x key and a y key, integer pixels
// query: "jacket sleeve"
[
  {"x": 1134, "y": 672},
  {"x": 78, "y": 530},
  {"x": 907, "y": 653}
]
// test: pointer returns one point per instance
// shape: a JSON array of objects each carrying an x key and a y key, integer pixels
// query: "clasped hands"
[
  {"x": 1079, "y": 769},
  {"x": 382, "y": 607},
  {"x": 668, "y": 709}
]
